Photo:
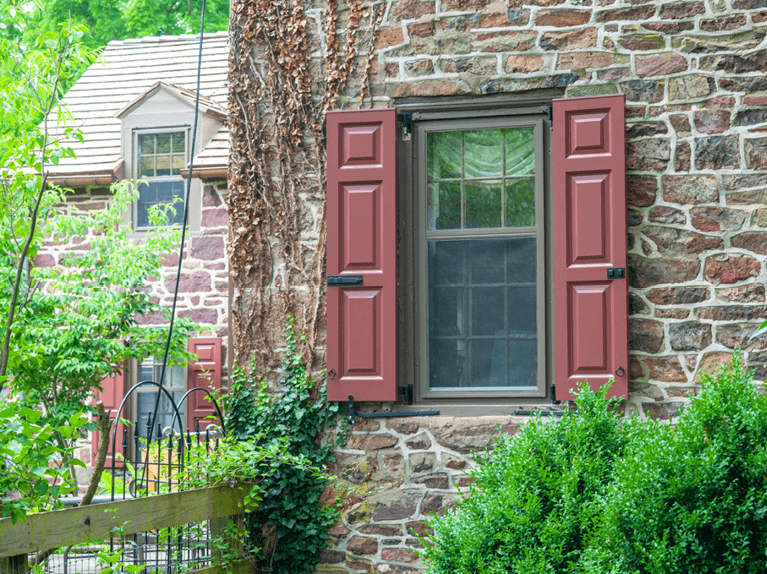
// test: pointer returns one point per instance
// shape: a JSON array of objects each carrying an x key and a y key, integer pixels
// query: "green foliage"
[
  {"x": 533, "y": 501},
  {"x": 597, "y": 494},
  {"x": 693, "y": 497},
  {"x": 291, "y": 509},
  {"x": 32, "y": 473}
]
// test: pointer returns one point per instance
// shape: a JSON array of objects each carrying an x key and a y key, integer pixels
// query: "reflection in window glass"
[{"x": 481, "y": 178}]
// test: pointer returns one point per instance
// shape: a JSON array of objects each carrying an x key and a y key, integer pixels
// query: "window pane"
[
  {"x": 159, "y": 192},
  {"x": 444, "y": 152},
  {"x": 145, "y": 144},
  {"x": 163, "y": 165},
  {"x": 178, "y": 164},
  {"x": 487, "y": 317},
  {"x": 523, "y": 363},
  {"x": 146, "y": 166},
  {"x": 520, "y": 151},
  {"x": 178, "y": 142},
  {"x": 520, "y": 202},
  {"x": 487, "y": 362},
  {"x": 483, "y": 204},
  {"x": 447, "y": 363},
  {"x": 486, "y": 314},
  {"x": 163, "y": 143},
  {"x": 483, "y": 153},
  {"x": 166, "y": 415},
  {"x": 445, "y": 205}
]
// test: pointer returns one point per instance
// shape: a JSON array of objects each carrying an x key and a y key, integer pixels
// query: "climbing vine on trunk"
[{"x": 290, "y": 63}]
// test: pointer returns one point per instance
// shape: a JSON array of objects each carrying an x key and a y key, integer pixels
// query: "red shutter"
[
  {"x": 112, "y": 394},
  {"x": 204, "y": 373},
  {"x": 362, "y": 242},
  {"x": 591, "y": 309}
]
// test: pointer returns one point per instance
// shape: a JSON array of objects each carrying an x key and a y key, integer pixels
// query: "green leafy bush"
[
  {"x": 595, "y": 493},
  {"x": 291, "y": 523},
  {"x": 535, "y": 496}
]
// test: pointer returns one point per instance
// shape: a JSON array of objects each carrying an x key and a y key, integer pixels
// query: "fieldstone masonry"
[
  {"x": 204, "y": 288},
  {"x": 693, "y": 73}
]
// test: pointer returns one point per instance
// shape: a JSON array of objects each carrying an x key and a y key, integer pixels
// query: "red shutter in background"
[
  {"x": 591, "y": 309},
  {"x": 204, "y": 373},
  {"x": 362, "y": 242},
  {"x": 112, "y": 395}
]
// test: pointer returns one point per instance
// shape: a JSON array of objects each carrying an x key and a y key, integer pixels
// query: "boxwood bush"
[{"x": 598, "y": 493}]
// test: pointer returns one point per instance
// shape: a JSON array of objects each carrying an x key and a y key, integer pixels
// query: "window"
[
  {"x": 150, "y": 369},
  {"x": 455, "y": 226},
  {"x": 160, "y": 157},
  {"x": 480, "y": 193}
]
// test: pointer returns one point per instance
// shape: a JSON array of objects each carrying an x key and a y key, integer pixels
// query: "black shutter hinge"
[
  {"x": 406, "y": 120},
  {"x": 554, "y": 400},
  {"x": 354, "y": 413},
  {"x": 550, "y": 113}
]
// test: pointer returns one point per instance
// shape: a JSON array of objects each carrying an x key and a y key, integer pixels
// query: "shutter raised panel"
[
  {"x": 112, "y": 394},
  {"x": 362, "y": 241},
  {"x": 203, "y": 373},
  {"x": 589, "y": 219}
]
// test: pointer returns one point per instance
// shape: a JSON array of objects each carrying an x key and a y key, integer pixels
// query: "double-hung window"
[
  {"x": 160, "y": 157},
  {"x": 480, "y": 188}
]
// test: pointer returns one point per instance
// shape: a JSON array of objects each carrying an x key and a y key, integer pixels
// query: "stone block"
[
  {"x": 711, "y": 218},
  {"x": 441, "y": 87},
  {"x": 215, "y": 217},
  {"x": 632, "y": 14},
  {"x": 672, "y": 313},
  {"x": 737, "y": 335},
  {"x": 681, "y": 124},
  {"x": 750, "y": 117},
  {"x": 752, "y": 293},
  {"x": 660, "y": 65},
  {"x": 641, "y": 190},
  {"x": 668, "y": 215},
  {"x": 645, "y": 129},
  {"x": 732, "y": 312},
  {"x": 645, "y": 335},
  {"x": 634, "y": 218},
  {"x": 680, "y": 10},
  {"x": 387, "y": 37},
  {"x": 669, "y": 28},
  {"x": 642, "y": 42},
  {"x": 453, "y": 462},
  {"x": 680, "y": 242},
  {"x": 465, "y": 435},
  {"x": 751, "y": 197},
  {"x": 370, "y": 442},
  {"x": 687, "y": 189},
  {"x": 411, "y": 9},
  {"x": 678, "y": 295},
  {"x": 402, "y": 427},
  {"x": 637, "y": 305},
  {"x": 399, "y": 555},
  {"x": 362, "y": 545},
  {"x": 571, "y": 40},
  {"x": 562, "y": 18},
  {"x": 754, "y": 241},
  {"x": 731, "y": 268},
  {"x": 381, "y": 529},
  {"x": 437, "y": 480},
  {"x": 724, "y": 23},
  {"x": 394, "y": 504},
  {"x": 508, "y": 18},
  {"x": 523, "y": 64},
  {"x": 423, "y": 462},
  {"x": 665, "y": 369},
  {"x": 505, "y": 41},
  {"x": 643, "y": 272},
  {"x": 420, "y": 442},
  {"x": 418, "y": 68},
  {"x": 714, "y": 121},
  {"x": 585, "y": 60},
  {"x": 711, "y": 364},
  {"x": 718, "y": 152},
  {"x": 756, "y": 153},
  {"x": 689, "y": 336},
  {"x": 650, "y": 91},
  {"x": 648, "y": 155}
]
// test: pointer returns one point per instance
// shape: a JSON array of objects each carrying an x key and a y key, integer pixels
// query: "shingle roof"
[{"x": 128, "y": 70}]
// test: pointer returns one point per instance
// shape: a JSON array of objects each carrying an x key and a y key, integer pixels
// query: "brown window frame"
[{"x": 477, "y": 113}]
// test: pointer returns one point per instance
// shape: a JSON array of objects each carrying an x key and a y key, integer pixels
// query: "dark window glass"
[{"x": 156, "y": 193}]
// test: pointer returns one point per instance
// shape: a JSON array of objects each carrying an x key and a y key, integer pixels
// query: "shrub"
[
  {"x": 694, "y": 499},
  {"x": 535, "y": 496},
  {"x": 598, "y": 494}
]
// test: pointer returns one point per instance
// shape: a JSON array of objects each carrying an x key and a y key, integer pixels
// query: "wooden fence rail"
[{"x": 71, "y": 526}]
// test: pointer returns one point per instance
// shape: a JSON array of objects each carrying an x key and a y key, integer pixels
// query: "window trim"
[
  {"x": 135, "y": 168},
  {"x": 412, "y": 291}
]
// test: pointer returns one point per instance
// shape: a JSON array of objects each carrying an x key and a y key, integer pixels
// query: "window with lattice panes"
[{"x": 160, "y": 157}]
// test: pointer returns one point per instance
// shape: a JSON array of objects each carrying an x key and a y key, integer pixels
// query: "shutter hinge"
[
  {"x": 407, "y": 394},
  {"x": 550, "y": 113},
  {"x": 554, "y": 400},
  {"x": 406, "y": 119},
  {"x": 354, "y": 413}
]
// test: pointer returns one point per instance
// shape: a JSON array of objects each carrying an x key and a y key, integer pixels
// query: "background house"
[
  {"x": 135, "y": 107},
  {"x": 478, "y": 77}
]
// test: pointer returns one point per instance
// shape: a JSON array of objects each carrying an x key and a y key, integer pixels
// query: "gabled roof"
[
  {"x": 207, "y": 105},
  {"x": 128, "y": 70}
]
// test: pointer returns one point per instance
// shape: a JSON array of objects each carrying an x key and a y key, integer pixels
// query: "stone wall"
[
  {"x": 393, "y": 475},
  {"x": 693, "y": 76},
  {"x": 204, "y": 288}
]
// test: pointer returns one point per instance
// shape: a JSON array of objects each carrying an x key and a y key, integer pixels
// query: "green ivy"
[{"x": 290, "y": 526}]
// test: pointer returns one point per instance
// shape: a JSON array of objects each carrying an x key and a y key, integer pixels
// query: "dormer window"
[{"x": 160, "y": 157}]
